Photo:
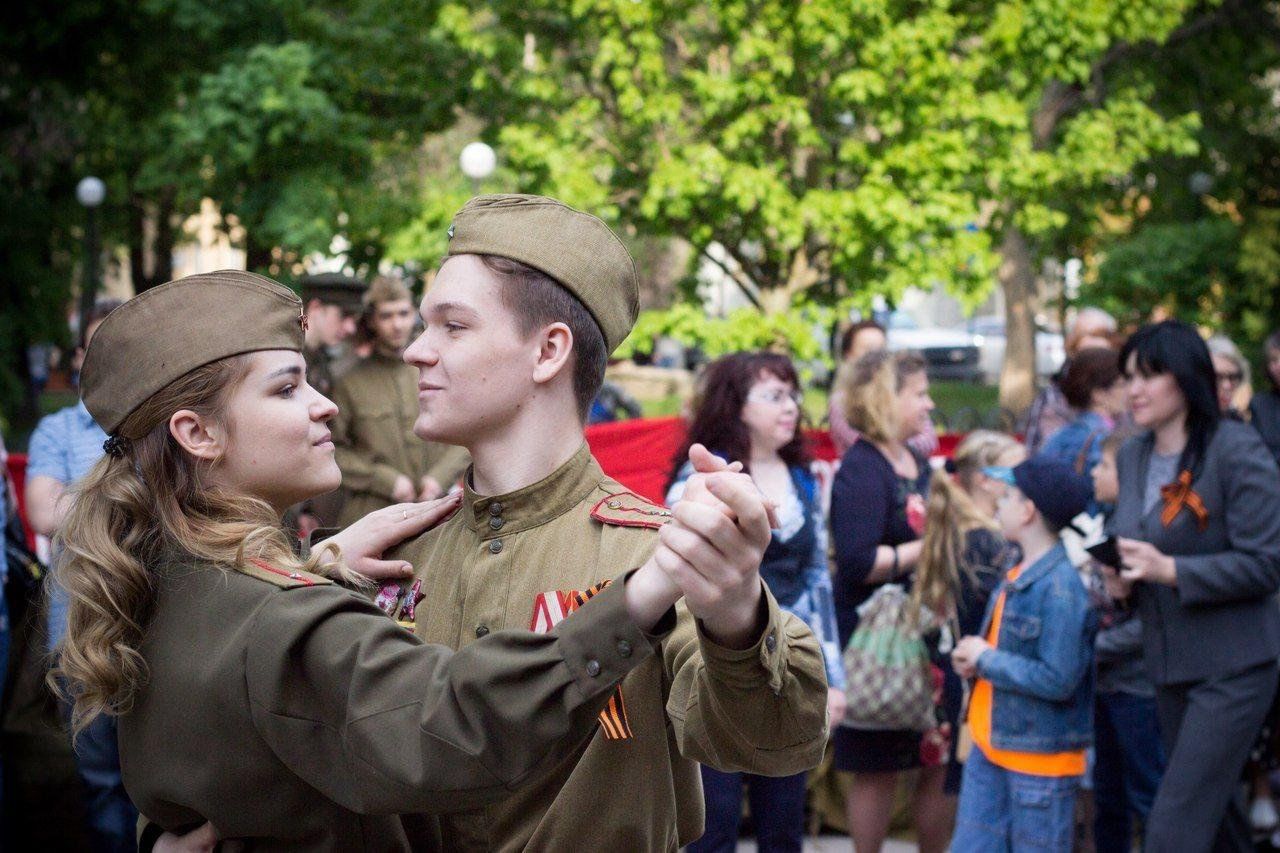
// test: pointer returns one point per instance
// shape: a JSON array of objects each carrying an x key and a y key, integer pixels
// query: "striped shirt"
[{"x": 64, "y": 446}]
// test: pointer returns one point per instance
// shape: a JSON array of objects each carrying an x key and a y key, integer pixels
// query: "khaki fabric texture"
[
  {"x": 508, "y": 562},
  {"x": 168, "y": 331},
  {"x": 374, "y": 441},
  {"x": 574, "y": 248},
  {"x": 296, "y": 716}
]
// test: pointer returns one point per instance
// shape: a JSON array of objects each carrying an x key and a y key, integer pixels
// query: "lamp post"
[
  {"x": 89, "y": 192},
  {"x": 478, "y": 161}
]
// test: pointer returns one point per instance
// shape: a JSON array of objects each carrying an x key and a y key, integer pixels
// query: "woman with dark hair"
[
  {"x": 1092, "y": 385},
  {"x": 877, "y": 519},
  {"x": 1264, "y": 408},
  {"x": 749, "y": 412},
  {"x": 1198, "y": 521}
]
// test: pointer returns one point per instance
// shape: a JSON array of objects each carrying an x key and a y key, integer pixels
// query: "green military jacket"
[
  {"x": 373, "y": 436},
  {"x": 295, "y": 715},
  {"x": 523, "y": 560}
]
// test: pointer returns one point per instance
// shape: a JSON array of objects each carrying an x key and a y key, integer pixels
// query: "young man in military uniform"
[
  {"x": 331, "y": 304},
  {"x": 519, "y": 323},
  {"x": 382, "y": 461}
]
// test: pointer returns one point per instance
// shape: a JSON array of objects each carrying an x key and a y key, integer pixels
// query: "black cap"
[
  {"x": 1058, "y": 492},
  {"x": 334, "y": 288}
]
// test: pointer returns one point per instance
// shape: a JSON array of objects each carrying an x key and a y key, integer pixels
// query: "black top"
[
  {"x": 870, "y": 506},
  {"x": 1264, "y": 414}
]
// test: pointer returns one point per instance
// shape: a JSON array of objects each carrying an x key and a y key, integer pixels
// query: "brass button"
[
  {"x": 593, "y": 668},
  {"x": 614, "y": 504},
  {"x": 496, "y": 523},
  {"x": 495, "y": 508},
  {"x": 481, "y": 630},
  {"x": 495, "y": 547},
  {"x": 624, "y": 648},
  {"x": 770, "y": 643}
]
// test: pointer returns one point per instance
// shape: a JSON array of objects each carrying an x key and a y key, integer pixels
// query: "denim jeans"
[
  {"x": 1128, "y": 767},
  {"x": 113, "y": 819},
  {"x": 777, "y": 809},
  {"x": 1001, "y": 810}
]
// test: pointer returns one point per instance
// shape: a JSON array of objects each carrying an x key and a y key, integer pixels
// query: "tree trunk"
[
  {"x": 1017, "y": 280},
  {"x": 151, "y": 248},
  {"x": 257, "y": 256}
]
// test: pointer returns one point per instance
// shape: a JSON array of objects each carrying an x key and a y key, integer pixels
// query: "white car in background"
[
  {"x": 951, "y": 353},
  {"x": 988, "y": 335}
]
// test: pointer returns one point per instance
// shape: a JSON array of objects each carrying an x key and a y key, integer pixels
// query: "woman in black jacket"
[{"x": 1198, "y": 521}]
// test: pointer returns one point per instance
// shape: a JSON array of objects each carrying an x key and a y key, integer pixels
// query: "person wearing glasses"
[
  {"x": 749, "y": 412},
  {"x": 1232, "y": 374},
  {"x": 1197, "y": 519}
]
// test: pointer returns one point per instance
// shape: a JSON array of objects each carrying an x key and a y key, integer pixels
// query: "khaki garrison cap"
[
  {"x": 574, "y": 248},
  {"x": 168, "y": 331}
]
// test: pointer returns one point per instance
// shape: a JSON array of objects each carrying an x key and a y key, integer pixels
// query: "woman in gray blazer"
[{"x": 1198, "y": 521}]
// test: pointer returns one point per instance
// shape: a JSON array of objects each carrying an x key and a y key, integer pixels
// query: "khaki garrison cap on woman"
[
  {"x": 165, "y": 333},
  {"x": 574, "y": 248}
]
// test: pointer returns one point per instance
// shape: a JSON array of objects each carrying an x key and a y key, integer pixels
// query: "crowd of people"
[{"x": 1081, "y": 619}]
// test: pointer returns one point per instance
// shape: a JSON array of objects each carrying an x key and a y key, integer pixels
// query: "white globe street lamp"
[
  {"x": 90, "y": 192},
  {"x": 478, "y": 161}
]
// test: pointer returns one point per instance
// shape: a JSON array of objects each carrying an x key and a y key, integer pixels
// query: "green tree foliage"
[
  {"x": 1200, "y": 236},
  {"x": 874, "y": 144}
]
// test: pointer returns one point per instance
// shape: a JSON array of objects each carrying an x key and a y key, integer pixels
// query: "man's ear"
[
  {"x": 555, "y": 344},
  {"x": 197, "y": 437}
]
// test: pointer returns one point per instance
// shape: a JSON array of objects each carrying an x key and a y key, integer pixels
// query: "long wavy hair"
[
  {"x": 950, "y": 516},
  {"x": 126, "y": 513},
  {"x": 717, "y": 423}
]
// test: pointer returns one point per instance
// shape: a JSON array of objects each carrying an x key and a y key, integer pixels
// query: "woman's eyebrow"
[{"x": 291, "y": 370}]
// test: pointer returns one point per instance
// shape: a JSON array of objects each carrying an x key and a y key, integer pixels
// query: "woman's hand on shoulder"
[
  {"x": 363, "y": 543},
  {"x": 203, "y": 839}
]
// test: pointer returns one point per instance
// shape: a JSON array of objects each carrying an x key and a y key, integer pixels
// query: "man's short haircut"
[{"x": 536, "y": 299}]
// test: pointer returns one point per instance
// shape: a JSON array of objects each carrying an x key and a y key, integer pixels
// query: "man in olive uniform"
[
  {"x": 519, "y": 324},
  {"x": 332, "y": 304},
  {"x": 382, "y": 461}
]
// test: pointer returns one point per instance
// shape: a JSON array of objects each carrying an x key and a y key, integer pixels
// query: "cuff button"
[
  {"x": 770, "y": 643},
  {"x": 624, "y": 648},
  {"x": 593, "y": 668}
]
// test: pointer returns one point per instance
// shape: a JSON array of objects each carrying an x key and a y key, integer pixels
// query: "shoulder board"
[
  {"x": 264, "y": 571},
  {"x": 627, "y": 509}
]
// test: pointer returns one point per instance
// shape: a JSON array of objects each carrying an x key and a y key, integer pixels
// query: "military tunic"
[
  {"x": 522, "y": 560},
  {"x": 295, "y": 715},
  {"x": 373, "y": 436}
]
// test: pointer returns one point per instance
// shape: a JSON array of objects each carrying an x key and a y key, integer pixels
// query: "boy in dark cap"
[
  {"x": 520, "y": 320},
  {"x": 1031, "y": 711}
]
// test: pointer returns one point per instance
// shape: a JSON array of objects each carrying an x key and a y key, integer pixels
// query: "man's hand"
[
  {"x": 836, "y": 706},
  {"x": 364, "y": 542},
  {"x": 402, "y": 491},
  {"x": 429, "y": 488},
  {"x": 964, "y": 658},
  {"x": 713, "y": 555},
  {"x": 1145, "y": 562}
]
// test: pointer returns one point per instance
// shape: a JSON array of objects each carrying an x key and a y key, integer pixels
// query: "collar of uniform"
[{"x": 523, "y": 509}]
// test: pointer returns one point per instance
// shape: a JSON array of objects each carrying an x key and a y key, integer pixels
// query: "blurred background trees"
[{"x": 819, "y": 153}]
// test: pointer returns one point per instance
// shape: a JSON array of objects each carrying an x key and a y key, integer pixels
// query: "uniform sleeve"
[
  {"x": 759, "y": 710},
  {"x": 1251, "y": 568},
  {"x": 360, "y": 473},
  {"x": 381, "y": 723}
]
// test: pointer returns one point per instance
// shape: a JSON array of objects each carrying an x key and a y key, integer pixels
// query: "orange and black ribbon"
[{"x": 1179, "y": 494}]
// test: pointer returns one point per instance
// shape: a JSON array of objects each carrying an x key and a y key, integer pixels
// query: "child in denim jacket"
[{"x": 1031, "y": 712}]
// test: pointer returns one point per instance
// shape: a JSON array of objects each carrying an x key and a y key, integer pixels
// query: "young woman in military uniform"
[{"x": 253, "y": 691}]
